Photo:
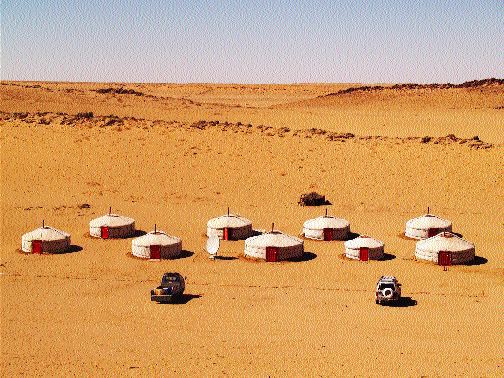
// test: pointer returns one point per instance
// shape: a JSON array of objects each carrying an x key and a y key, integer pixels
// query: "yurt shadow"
[
  {"x": 183, "y": 299},
  {"x": 478, "y": 260},
  {"x": 402, "y": 302},
  {"x": 183, "y": 254},
  {"x": 306, "y": 256},
  {"x": 257, "y": 232},
  {"x": 352, "y": 235},
  {"x": 72, "y": 249},
  {"x": 136, "y": 234},
  {"x": 387, "y": 257},
  {"x": 404, "y": 237}
]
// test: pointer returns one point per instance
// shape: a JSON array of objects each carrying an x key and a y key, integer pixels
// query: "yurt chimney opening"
[
  {"x": 155, "y": 228},
  {"x": 43, "y": 223},
  {"x": 228, "y": 211},
  {"x": 326, "y": 212},
  {"x": 428, "y": 210},
  {"x": 110, "y": 210}
]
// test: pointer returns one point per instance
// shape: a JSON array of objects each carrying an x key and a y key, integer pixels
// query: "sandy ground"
[{"x": 147, "y": 155}]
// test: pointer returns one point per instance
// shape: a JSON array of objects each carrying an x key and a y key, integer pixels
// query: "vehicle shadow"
[
  {"x": 403, "y": 302},
  {"x": 183, "y": 299},
  {"x": 306, "y": 256}
]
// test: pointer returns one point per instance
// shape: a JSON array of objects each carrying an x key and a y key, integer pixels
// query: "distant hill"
[
  {"x": 476, "y": 94},
  {"x": 467, "y": 84}
]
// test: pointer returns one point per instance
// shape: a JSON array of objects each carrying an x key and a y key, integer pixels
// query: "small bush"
[{"x": 313, "y": 199}]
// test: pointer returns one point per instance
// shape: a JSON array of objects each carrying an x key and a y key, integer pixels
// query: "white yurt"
[
  {"x": 326, "y": 228},
  {"x": 230, "y": 227},
  {"x": 456, "y": 249},
  {"x": 364, "y": 248},
  {"x": 426, "y": 226},
  {"x": 156, "y": 245},
  {"x": 112, "y": 226},
  {"x": 45, "y": 240},
  {"x": 274, "y": 246}
]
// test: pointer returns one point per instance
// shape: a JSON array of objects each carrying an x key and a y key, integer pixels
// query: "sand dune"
[
  {"x": 465, "y": 112},
  {"x": 177, "y": 155}
]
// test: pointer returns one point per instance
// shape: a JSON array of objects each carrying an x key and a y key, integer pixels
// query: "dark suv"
[{"x": 170, "y": 290}]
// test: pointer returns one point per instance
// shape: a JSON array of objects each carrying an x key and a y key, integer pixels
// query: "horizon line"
[{"x": 236, "y": 83}]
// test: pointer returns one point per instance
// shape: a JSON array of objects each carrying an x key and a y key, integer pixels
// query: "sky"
[{"x": 173, "y": 41}]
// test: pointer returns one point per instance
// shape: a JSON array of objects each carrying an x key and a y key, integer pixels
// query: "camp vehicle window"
[
  {"x": 386, "y": 286},
  {"x": 171, "y": 278}
]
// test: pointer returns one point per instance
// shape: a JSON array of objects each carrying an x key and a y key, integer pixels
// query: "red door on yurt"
[
  {"x": 104, "y": 232},
  {"x": 364, "y": 254},
  {"x": 432, "y": 232},
  {"x": 37, "y": 246},
  {"x": 328, "y": 234},
  {"x": 155, "y": 252},
  {"x": 271, "y": 254},
  {"x": 226, "y": 234},
  {"x": 444, "y": 258}
]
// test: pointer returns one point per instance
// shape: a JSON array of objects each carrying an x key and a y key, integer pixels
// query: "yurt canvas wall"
[
  {"x": 458, "y": 250},
  {"x": 112, "y": 226},
  {"x": 326, "y": 228},
  {"x": 230, "y": 227},
  {"x": 156, "y": 245},
  {"x": 364, "y": 248},
  {"x": 45, "y": 240},
  {"x": 426, "y": 226},
  {"x": 274, "y": 246}
]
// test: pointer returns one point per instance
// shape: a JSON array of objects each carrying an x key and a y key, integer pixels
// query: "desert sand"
[{"x": 177, "y": 155}]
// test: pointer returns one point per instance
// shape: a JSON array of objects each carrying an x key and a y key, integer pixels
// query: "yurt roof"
[
  {"x": 231, "y": 220},
  {"x": 445, "y": 241},
  {"x": 326, "y": 221},
  {"x": 273, "y": 239},
  {"x": 428, "y": 221},
  {"x": 364, "y": 241},
  {"x": 156, "y": 238},
  {"x": 46, "y": 233},
  {"x": 111, "y": 220}
]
